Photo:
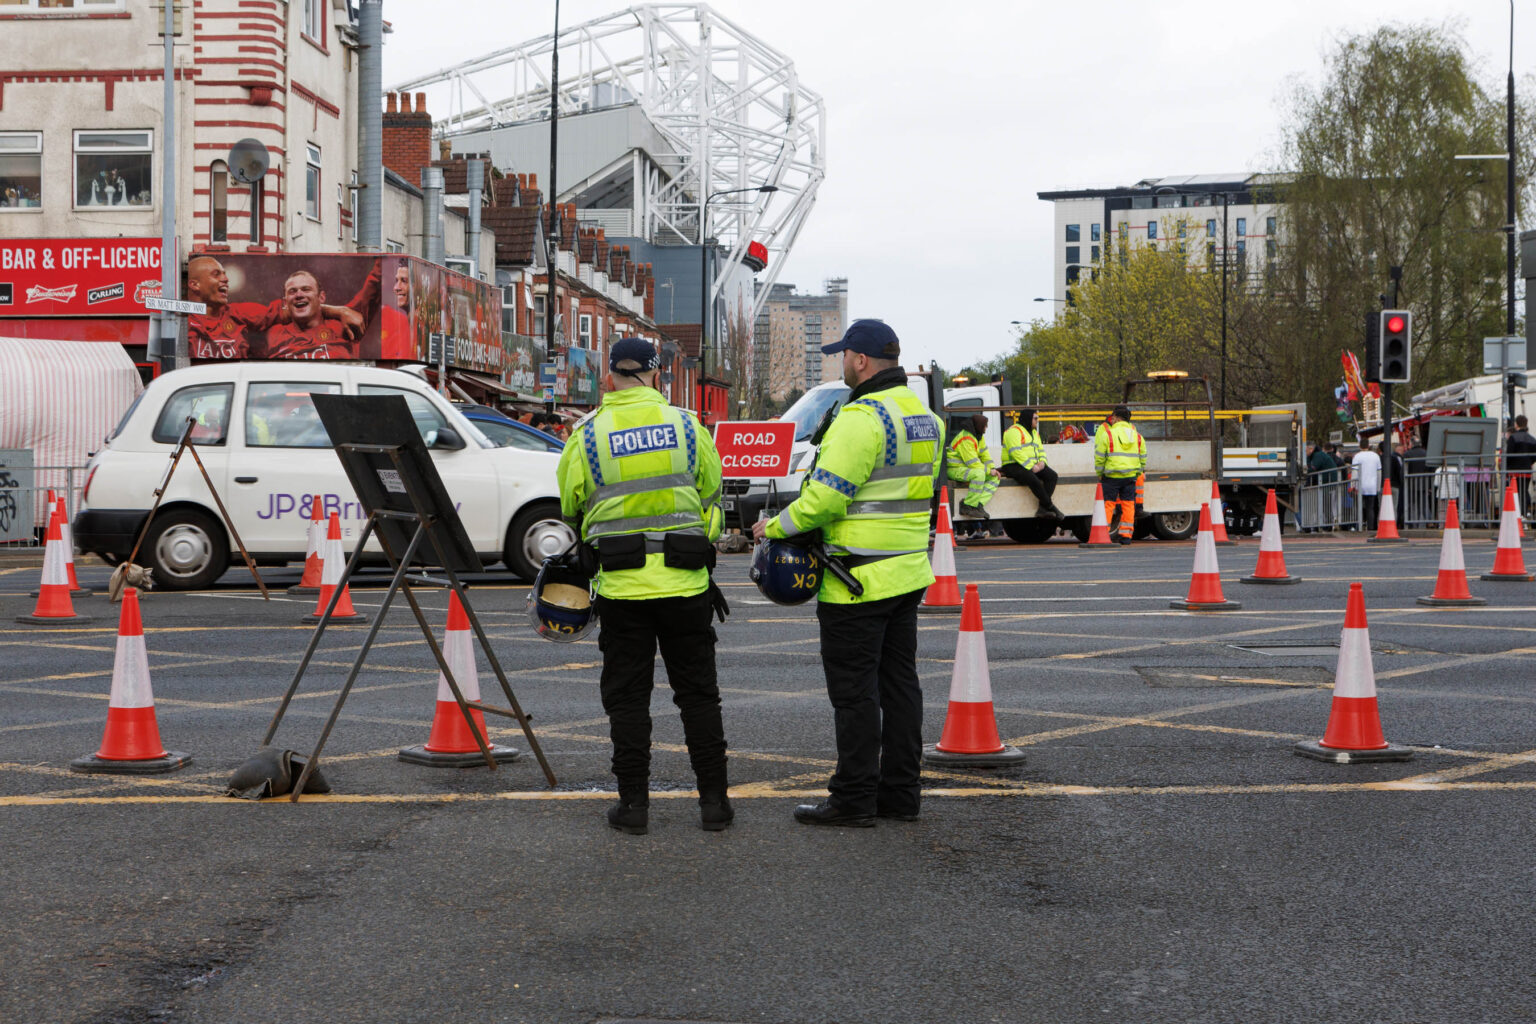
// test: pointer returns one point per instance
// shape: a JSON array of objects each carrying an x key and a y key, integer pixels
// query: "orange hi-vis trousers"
[{"x": 1120, "y": 499}]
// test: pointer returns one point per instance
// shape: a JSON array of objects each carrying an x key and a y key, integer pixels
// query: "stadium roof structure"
[{"x": 663, "y": 107}]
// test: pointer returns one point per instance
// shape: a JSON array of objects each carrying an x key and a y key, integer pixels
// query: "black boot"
[
  {"x": 631, "y": 814},
  {"x": 715, "y": 813}
]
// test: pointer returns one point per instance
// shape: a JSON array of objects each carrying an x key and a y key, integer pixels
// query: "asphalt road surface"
[{"x": 1161, "y": 855}]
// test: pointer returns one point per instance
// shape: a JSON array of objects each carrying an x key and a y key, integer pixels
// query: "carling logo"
[{"x": 105, "y": 294}]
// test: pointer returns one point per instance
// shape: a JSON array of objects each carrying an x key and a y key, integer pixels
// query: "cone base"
[
  {"x": 49, "y": 620},
  {"x": 1209, "y": 606},
  {"x": 94, "y": 764},
  {"x": 939, "y": 609},
  {"x": 1453, "y": 602},
  {"x": 1108, "y": 545},
  {"x": 298, "y": 590},
  {"x": 1269, "y": 579},
  {"x": 1225, "y": 543},
  {"x": 73, "y": 592},
  {"x": 1508, "y": 577},
  {"x": 419, "y": 754},
  {"x": 357, "y": 618},
  {"x": 1007, "y": 757},
  {"x": 1335, "y": 755},
  {"x": 1386, "y": 540}
]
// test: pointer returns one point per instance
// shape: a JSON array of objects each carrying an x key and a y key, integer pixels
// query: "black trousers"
[
  {"x": 629, "y": 633},
  {"x": 869, "y": 654},
  {"x": 1041, "y": 481}
]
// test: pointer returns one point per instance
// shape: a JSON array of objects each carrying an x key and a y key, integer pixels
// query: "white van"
[{"x": 270, "y": 459}]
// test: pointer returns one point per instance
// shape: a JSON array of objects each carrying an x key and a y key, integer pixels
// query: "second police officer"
[
  {"x": 870, "y": 493},
  {"x": 641, "y": 481}
]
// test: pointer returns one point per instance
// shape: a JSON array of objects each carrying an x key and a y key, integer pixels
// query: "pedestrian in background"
[
  {"x": 1365, "y": 469},
  {"x": 642, "y": 485},
  {"x": 1519, "y": 454},
  {"x": 869, "y": 493},
  {"x": 1392, "y": 460}
]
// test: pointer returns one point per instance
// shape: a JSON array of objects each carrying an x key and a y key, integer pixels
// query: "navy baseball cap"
[
  {"x": 633, "y": 350},
  {"x": 868, "y": 337}
]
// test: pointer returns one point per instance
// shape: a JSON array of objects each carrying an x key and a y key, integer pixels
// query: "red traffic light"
[{"x": 1395, "y": 324}]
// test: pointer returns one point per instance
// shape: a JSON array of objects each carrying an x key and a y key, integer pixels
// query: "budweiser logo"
[
  {"x": 144, "y": 289},
  {"x": 37, "y": 293},
  {"x": 105, "y": 294}
]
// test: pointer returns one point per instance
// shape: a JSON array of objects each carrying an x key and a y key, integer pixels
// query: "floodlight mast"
[{"x": 729, "y": 107}]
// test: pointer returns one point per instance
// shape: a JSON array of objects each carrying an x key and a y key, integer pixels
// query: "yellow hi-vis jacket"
[
  {"x": 641, "y": 466},
  {"x": 966, "y": 458},
  {"x": 870, "y": 492},
  {"x": 1022, "y": 445},
  {"x": 1119, "y": 451}
]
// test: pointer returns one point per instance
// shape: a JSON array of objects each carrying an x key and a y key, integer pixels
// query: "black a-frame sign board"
[{"x": 382, "y": 452}]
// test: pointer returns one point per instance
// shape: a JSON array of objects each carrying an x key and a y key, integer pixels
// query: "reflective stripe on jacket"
[
  {"x": 870, "y": 492},
  {"x": 1022, "y": 445},
  {"x": 1119, "y": 451},
  {"x": 641, "y": 466},
  {"x": 964, "y": 456}
]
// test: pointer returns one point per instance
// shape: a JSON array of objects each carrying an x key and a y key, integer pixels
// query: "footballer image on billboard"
[{"x": 284, "y": 307}]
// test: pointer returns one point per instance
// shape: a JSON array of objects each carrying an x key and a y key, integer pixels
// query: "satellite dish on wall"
[{"x": 248, "y": 161}]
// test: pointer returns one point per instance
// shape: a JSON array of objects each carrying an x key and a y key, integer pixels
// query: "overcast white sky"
[{"x": 941, "y": 129}]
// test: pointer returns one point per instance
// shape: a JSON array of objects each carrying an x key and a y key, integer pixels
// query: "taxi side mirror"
[{"x": 444, "y": 438}]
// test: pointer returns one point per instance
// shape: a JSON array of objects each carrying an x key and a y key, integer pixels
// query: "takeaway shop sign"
[
  {"x": 78, "y": 276},
  {"x": 754, "y": 449}
]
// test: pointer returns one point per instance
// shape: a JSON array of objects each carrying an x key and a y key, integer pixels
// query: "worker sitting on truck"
[
  {"x": 966, "y": 463},
  {"x": 1024, "y": 460},
  {"x": 1119, "y": 457}
]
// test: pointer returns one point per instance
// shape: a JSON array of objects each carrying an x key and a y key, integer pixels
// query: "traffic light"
[
  {"x": 1372, "y": 348},
  {"x": 1396, "y": 345},
  {"x": 1517, "y": 381}
]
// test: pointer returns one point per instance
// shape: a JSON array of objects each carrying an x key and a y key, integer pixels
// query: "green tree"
[{"x": 1376, "y": 186}]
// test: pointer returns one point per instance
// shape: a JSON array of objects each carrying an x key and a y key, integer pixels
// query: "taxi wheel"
[
  {"x": 187, "y": 549},
  {"x": 536, "y": 533}
]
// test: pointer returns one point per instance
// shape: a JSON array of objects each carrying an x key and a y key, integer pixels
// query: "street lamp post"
[
  {"x": 670, "y": 293},
  {"x": 704, "y": 309}
]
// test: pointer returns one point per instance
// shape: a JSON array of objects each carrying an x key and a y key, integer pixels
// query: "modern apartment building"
[{"x": 798, "y": 325}]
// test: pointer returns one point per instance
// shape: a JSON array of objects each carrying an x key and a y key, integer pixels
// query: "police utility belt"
[{"x": 680, "y": 549}]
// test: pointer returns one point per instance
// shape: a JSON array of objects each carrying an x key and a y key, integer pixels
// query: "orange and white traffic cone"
[
  {"x": 68, "y": 537},
  {"x": 1205, "y": 582},
  {"x": 309, "y": 583},
  {"x": 1218, "y": 518},
  {"x": 1451, "y": 583},
  {"x": 1271, "y": 567},
  {"x": 1354, "y": 722},
  {"x": 54, "y": 606},
  {"x": 1098, "y": 526},
  {"x": 944, "y": 592},
  {"x": 131, "y": 743},
  {"x": 451, "y": 744},
  {"x": 1386, "y": 519},
  {"x": 333, "y": 564},
  {"x": 1508, "y": 561},
  {"x": 970, "y": 738}
]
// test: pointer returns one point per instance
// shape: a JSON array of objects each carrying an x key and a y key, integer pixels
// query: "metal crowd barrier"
[
  {"x": 24, "y": 499},
  {"x": 1329, "y": 501}
]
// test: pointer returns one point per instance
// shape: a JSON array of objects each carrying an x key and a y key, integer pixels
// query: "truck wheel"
[
  {"x": 536, "y": 533},
  {"x": 1079, "y": 525},
  {"x": 1175, "y": 525},
  {"x": 187, "y": 549},
  {"x": 1029, "y": 531}
]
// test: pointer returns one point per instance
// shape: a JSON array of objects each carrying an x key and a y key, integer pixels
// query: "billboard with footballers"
[{"x": 374, "y": 308}]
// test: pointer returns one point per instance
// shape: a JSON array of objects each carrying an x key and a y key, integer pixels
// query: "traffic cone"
[
  {"x": 68, "y": 537},
  {"x": 1451, "y": 583},
  {"x": 333, "y": 563},
  {"x": 1218, "y": 518},
  {"x": 450, "y": 744},
  {"x": 1386, "y": 519},
  {"x": 1508, "y": 562},
  {"x": 53, "y": 603},
  {"x": 970, "y": 736},
  {"x": 944, "y": 592},
  {"x": 131, "y": 744},
  {"x": 309, "y": 583},
  {"x": 1271, "y": 567},
  {"x": 1354, "y": 725},
  {"x": 1205, "y": 582},
  {"x": 1098, "y": 528}
]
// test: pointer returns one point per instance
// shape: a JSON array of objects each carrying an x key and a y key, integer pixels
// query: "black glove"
[{"x": 717, "y": 600}]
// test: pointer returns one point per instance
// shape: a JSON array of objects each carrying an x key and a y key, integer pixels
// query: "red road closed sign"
[{"x": 749, "y": 449}]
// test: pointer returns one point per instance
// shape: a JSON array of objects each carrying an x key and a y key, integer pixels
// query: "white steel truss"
[{"x": 731, "y": 107}]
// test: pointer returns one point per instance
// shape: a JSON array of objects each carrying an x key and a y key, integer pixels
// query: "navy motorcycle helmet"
[
  {"x": 560, "y": 603},
  {"x": 785, "y": 572}
]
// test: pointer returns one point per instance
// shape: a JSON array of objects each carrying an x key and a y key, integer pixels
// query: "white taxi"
[{"x": 271, "y": 460}]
